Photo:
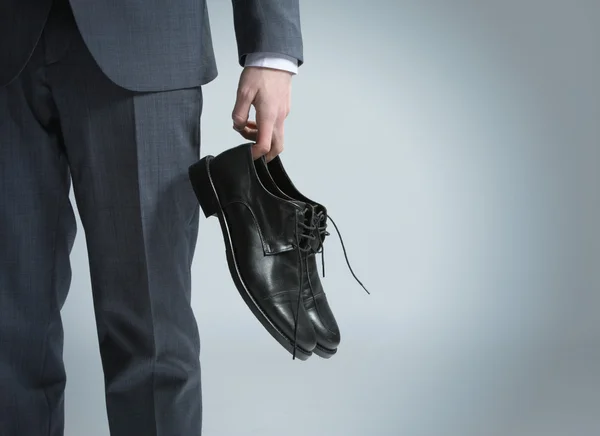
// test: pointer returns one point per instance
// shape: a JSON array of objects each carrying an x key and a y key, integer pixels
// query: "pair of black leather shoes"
[{"x": 272, "y": 233}]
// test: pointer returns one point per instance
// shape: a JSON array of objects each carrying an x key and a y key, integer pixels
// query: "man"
[{"x": 107, "y": 94}]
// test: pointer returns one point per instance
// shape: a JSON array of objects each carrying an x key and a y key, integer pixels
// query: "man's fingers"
[
  {"x": 276, "y": 141},
  {"x": 248, "y": 133},
  {"x": 265, "y": 124},
  {"x": 241, "y": 110}
]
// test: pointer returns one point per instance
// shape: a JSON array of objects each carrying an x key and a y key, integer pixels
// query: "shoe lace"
[
  {"x": 304, "y": 235},
  {"x": 321, "y": 232}
]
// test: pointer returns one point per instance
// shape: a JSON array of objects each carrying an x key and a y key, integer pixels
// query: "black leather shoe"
[
  {"x": 265, "y": 238},
  {"x": 315, "y": 300}
]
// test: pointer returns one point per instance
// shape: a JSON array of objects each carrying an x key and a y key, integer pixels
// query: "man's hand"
[{"x": 269, "y": 91}]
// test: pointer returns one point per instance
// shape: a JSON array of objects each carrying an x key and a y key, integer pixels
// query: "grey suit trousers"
[{"x": 126, "y": 154}]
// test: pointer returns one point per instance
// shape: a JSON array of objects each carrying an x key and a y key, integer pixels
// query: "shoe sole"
[
  {"x": 323, "y": 352},
  {"x": 204, "y": 188}
]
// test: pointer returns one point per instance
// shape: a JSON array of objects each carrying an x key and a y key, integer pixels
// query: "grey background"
[{"x": 457, "y": 145}]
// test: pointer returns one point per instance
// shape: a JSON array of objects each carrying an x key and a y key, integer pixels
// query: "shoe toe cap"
[
  {"x": 324, "y": 323},
  {"x": 283, "y": 315}
]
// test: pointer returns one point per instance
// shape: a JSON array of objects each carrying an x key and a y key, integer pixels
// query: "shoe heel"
[{"x": 199, "y": 175}]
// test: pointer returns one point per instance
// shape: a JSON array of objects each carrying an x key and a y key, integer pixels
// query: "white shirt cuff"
[{"x": 276, "y": 61}]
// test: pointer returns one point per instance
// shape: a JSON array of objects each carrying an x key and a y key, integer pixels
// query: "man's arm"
[
  {"x": 268, "y": 26},
  {"x": 270, "y": 48}
]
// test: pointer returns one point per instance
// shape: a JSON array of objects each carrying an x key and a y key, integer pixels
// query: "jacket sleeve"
[{"x": 271, "y": 26}]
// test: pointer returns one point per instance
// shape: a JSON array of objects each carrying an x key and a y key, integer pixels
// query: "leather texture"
[
  {"x": 262, "y": 233},
  {"x": 314, "y": 298},
  {"x": 151, "y": 45}
]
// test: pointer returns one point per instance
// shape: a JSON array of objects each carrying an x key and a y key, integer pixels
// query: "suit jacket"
[{"x": 151, "y": 45}]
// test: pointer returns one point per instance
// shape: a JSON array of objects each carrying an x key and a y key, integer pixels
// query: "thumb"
[{"x": 265, "y": 124}]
